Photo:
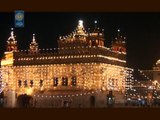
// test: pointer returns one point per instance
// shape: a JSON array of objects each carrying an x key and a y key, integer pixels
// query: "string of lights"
[
  {"x": 134, "y": 94},
  {"x": 153, "y": 82},
  {"x": 28, "y": 73}
]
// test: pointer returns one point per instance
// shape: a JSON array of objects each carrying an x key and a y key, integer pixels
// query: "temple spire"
[
  {"x": 11, "y": 42},
  {"x": 118, "y": 35},
  {"x": 12, "y": 37},
  {"x": 80, "y": 24},
  {"x": 95, "y": 24},
  {"x": 80, "y": 28},
  {"x": 96, "y": 28},
  {"x": 33, "y": 45},
  {"x": 34, "y": 40},
  {"x": 119, "y": 43}
]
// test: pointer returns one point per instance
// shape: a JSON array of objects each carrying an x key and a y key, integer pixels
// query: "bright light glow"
[
  {"x": 129, "y": 99},
  {"x": 112, "y": 58},
  {"x": 150, "y": 87},
  {"x": 6, "y": 62},
  {"x": 33, "y": 37},
  {"x": 103, "y": 88},
  {"x": 12, "y": 35},
  {"x": 158, "y": 62},
  {"x": 29, "y": 91},
  {"x": 80, "y": 23}
]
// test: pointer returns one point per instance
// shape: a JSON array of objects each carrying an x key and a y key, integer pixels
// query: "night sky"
[{"x": 142, "y": 31}]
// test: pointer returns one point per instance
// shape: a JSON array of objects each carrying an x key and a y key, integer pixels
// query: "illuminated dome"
[{"x": 158, "y": 62}]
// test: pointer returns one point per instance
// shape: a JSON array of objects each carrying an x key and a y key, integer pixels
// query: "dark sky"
[{"x": 142, "y": 31}]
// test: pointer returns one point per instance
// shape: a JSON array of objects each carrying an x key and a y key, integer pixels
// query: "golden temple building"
[{"x": 80, "y": 70}]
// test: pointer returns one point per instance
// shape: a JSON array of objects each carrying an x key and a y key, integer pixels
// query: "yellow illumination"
[
  {"x": 29, "y": 91},
  {"x": 112, "y": 58},
  {"x": 6, "y": 62}
]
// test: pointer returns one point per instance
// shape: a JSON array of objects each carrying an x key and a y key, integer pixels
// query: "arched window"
[
  {"x": 55, "y": 81},
  {"x": 31, "y": 83},
  {"x": 19, "y": 83},
  {"x": 41, "y": 83},
  {"x": 92, "y": 101},
  {"x": 74, "y": 81},
  {"x": 64, "y": 81},
  {"x": 25, "y": 83}
]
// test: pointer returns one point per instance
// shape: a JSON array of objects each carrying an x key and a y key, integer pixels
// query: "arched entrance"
[
  {"x": 24, "y": 101},
  {"x": 92, "y": 101}
]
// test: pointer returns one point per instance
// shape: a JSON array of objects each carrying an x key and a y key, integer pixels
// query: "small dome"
[{"x": 158, "y": 62}]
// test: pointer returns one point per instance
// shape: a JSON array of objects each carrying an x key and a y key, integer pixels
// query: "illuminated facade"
[
  {"x": 79, "y": 65},
  {"x": 156, "y": 69}
]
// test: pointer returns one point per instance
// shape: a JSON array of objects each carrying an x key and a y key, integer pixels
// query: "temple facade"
[{"x": 80, "y": 72}]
